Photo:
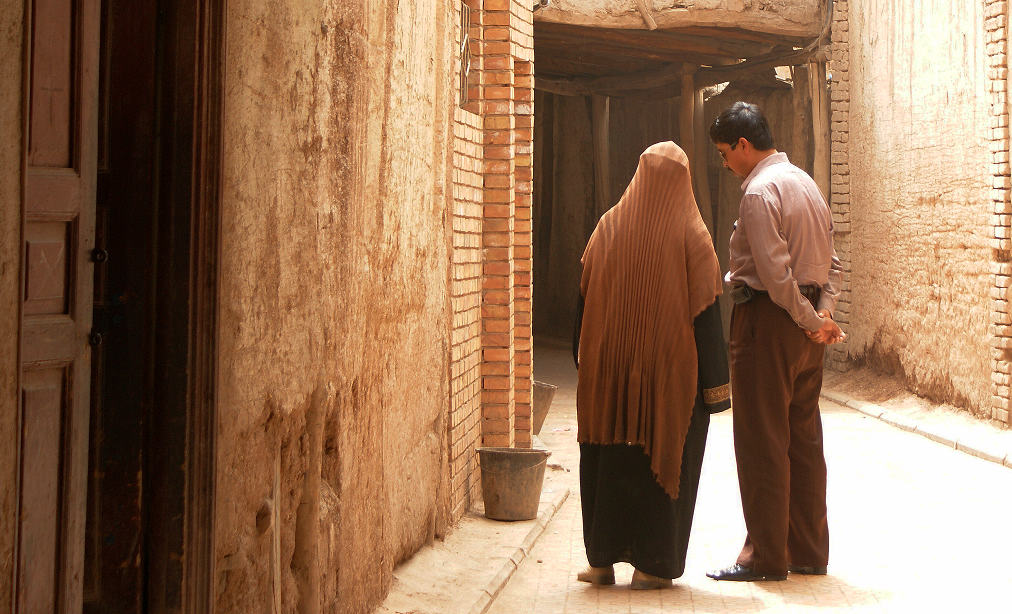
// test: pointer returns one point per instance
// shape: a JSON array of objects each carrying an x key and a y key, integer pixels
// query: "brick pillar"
[
  {"x": 523, "y": 141},
  {"x": 522, "y": 51},
  {"x": 498, "y": 397},
  {"x": 507, "y": 109},
  {"x": 996, "y": 25},
  {"x": 839, "y": 68}
]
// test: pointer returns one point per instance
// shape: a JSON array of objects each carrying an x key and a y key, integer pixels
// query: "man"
[{"x": 785, "y": 279}]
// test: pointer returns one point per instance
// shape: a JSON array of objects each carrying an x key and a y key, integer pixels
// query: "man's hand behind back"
[{"x": 829, "y": 333}]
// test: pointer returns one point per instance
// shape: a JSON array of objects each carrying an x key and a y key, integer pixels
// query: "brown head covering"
[{"x": 648, "y": 270}]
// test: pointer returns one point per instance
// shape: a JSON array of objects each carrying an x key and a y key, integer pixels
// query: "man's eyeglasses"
[{"x": 723, "y": 154}]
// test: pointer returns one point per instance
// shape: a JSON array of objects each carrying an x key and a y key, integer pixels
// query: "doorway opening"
[{"x": 149, "y": 392}]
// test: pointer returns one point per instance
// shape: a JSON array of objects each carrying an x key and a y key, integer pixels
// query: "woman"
[{"x": 652, "y": 366}]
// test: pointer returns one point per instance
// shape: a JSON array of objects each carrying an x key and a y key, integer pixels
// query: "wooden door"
[{"x": 59, "y": 218}]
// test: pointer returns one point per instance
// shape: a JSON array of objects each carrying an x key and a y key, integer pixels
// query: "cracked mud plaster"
[
  {"x": 920, "y": 191},
  {"x": 11, "y": 35},
  {"x": 788, "y": 17},
  {"x": 335, "y": 274}
]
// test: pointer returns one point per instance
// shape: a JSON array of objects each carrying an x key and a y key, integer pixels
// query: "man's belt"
[{"x": 745, "y": 293}]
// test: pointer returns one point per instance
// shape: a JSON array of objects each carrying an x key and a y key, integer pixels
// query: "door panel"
[
  {"x": 59, "y": 233},
  {"x": 47, "y": 247},
  {"x": 52, "y": 132},
  {"x": 43, "y": 400}
]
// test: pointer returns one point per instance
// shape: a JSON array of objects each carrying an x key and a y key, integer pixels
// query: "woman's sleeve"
[{"x": 712, "y": 356}]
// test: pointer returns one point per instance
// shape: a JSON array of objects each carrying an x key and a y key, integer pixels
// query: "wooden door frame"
[
  {"x": 205, "y": 198},
  {"x": 26, "y": 84},
  {"x": 198, "y": 525}
]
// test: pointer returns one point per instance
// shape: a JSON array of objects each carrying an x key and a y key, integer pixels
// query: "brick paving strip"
[
  {"x": 463, "y": 573},
  {"x": 960, "y": 431},
  {"x": 509, "y": 567}
]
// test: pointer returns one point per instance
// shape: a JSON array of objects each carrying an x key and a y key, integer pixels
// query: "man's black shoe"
[
  {"x": 740, "y": 573},
  {"x": 808, "y": 570}
]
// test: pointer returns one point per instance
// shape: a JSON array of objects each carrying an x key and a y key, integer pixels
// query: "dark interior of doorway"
[{"x": 134, "y": 532}]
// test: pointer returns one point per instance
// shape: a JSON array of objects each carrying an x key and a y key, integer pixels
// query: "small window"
[{"x": 465, "y": 50}]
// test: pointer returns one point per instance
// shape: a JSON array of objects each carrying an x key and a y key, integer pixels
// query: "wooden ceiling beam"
[
  {"x": 648, "y": 18},
  {"x": 723, "y": 74},
  {"x": 717, "y": 44},
  {"x": 588, "y": 67},
  {"x": 667, "y": 79},
  {"x": 620, "y": 53},
  {"x": 743, "y": 35},
  {"x": 567, "y": 88},
  {"x": 796, "y": 19}
]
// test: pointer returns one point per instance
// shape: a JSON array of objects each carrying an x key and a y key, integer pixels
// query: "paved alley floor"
[{"x": 915, "y": 526}]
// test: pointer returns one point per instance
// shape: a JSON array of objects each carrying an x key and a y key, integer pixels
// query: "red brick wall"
[
  {"x": 465, "y": 289},
  {"x": 507, "y": 107},
  {"x": 491, "y": 363}
]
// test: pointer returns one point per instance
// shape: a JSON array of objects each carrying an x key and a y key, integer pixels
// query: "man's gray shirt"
[{"x": 784, "y": 239}]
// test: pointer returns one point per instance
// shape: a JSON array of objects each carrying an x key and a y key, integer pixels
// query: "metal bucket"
[
  {"x": 543, "y": 395},
  {"x": 511, "y": 480}
]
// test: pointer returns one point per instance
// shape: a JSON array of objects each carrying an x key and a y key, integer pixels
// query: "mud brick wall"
[
  {"x": 996, "y": 14},
  {"x": 839, "y": 201},
  {"x": 337, "y": 307},
  {"x": 915, "y": 135}
]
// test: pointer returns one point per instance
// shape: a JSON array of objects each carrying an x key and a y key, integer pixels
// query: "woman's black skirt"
[{"x": 627, "y": 516}]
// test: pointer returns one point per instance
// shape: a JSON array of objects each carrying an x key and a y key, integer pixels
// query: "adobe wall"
[
  {"x": 334, "y": 278},
  {"x": 11, "y": 37},
  {"x": 919, "y": 193}
]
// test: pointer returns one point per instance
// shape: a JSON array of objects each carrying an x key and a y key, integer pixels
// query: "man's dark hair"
[{"x": 742, "y": 120}]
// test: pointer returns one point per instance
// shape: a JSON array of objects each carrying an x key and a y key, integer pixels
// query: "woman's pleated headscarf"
[{"x": 649, "y": 269}]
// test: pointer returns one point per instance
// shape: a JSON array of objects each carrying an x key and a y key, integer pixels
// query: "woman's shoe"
[
  {"x": 597, "y": 575},
  {"x": 643, "y": 581}
]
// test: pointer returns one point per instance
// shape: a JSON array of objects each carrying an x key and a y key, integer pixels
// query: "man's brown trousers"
[{"x": 776, "y": 379}]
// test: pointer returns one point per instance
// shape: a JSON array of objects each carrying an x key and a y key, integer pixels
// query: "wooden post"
[
  {"x": 699, "y": 168},
  {"x": 690, "y": 114},
  {"x": 686, "y": 111},
  {"x": 821, "y": 167},
  {"x": 801, "y": 135},
  {"x": 601, "y": 112},
  {"x": 645, "y": 12}
]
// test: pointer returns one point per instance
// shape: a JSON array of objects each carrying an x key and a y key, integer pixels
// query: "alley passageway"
[{"x": 912, "y": 527}]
